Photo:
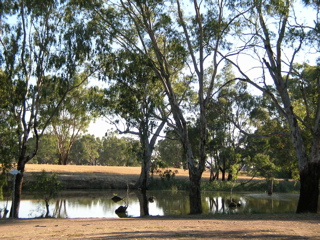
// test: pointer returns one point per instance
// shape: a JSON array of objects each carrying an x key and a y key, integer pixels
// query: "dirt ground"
[
  {"x": 254, "y": 226},
  {"x": 235, "y": 226}
]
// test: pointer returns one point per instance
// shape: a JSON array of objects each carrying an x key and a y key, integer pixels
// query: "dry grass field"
[
  {"x": 111, "y": 170},
  {"x": 84, "y": 177}
]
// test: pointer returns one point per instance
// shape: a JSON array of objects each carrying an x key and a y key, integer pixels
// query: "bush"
[
  {"x": 46, "y": 187},
  {"x": 167, "y": 174}
]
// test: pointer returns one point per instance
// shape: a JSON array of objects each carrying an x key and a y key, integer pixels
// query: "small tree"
[
  {"x": 263, "y": 166},
  {"x": 46, "y": 187}
]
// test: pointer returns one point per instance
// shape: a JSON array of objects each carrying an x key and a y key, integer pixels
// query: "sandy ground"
[{"x": 186, "y": 227}]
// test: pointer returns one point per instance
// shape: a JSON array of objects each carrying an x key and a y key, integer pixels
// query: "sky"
[{"x": 99, "y": 128}]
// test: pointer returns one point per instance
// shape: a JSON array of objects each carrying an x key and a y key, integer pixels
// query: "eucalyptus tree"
[
  {"x": 85, "y": 150},
  {"x": 135, "y": 97},
  {"x": 225, "y": 112},
  {"x": 42, "y": 48},
  {"x": 276, "y": 37},
  {"x": 119, "y": 151},
  {"x": 170, "y": 41},
  {"x": 72, "y": 118}
]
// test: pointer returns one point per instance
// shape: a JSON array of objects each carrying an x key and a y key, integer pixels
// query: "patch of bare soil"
[{"x": 256, "y": 226}]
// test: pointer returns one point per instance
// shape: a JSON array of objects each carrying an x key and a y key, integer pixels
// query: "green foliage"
[
  {"x": 48, "y": 152},
  {"x": 85, "y": 150},
  {"x": 170, "y": 152},
  {"x": 116, "y": 151},
  {"x": 46, "y": 186},
  {"x": 264, "y": 166}
]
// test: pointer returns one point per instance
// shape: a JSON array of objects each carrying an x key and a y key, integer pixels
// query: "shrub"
[
  {"x": 167, "y": 174},
  {"x": 46, "y": 187}
]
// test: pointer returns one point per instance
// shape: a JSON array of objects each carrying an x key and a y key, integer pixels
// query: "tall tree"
[
  {"x": 135, "y": 96},
  {"x": 277, "y": 35},
  {"x": 38, "y": 52},
  {"x": 228, "y": 110},
  {"x": 72, "y": 119},
  {"x": 152, "y": 29}
]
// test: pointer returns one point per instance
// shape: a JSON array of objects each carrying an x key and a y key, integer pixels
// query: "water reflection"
[{"x": 99, "y": 204}]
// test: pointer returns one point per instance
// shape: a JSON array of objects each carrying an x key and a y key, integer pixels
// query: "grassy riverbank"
[{"x": 113, "y": 177}]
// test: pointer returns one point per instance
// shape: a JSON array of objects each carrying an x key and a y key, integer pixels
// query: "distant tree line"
[{"x": 90, "y": 150}]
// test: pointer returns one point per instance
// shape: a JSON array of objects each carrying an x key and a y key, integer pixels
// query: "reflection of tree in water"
[
  {"x": 60, "y": 210},
  {"x": 214, "y": 205},
  {"x": 252, "y": 203},
  {"x": 172, "y": 202},
  {"x": 143, "y": 202},
  {"x": 221, "y": 203},
  {"x": 271, "y": 204}
]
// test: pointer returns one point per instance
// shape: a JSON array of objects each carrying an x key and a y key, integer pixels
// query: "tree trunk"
[
  {"x": 217, "y": 175},
  {"x": 223, "y": 173},
  {"x": 195, "y": 192},
  {"x": 17, "y": 195},
  {"x": 270, "y": 186},
  {"x": 144, "y": 179},
  {"x": 309, "y": 190}
]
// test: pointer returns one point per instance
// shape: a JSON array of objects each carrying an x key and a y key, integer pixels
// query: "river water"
[{"x": 99, "y": 204}]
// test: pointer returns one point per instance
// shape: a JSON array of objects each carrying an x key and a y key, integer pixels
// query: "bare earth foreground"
[
  {"x": 253, "y": 226},
  {"x": 187, "y": 227}
]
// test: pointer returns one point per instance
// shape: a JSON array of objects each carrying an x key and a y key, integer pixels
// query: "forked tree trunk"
[
  {"x": 309, "y": 190},
  {"x": 144, "y": 179}
]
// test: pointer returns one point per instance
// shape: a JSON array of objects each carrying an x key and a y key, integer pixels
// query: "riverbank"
[
  {"x": 253, "y": 226},
  {"x": 93, "y": 177},
  {"x": 112, "y": 177}
]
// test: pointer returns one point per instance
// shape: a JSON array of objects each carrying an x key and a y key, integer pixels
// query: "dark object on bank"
[
  {"x": 121, "y": 209},
  {"x": 234, "y": 205},
  {"x": 151, "y": 199},
  {"x": 116, "y": 198}
]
